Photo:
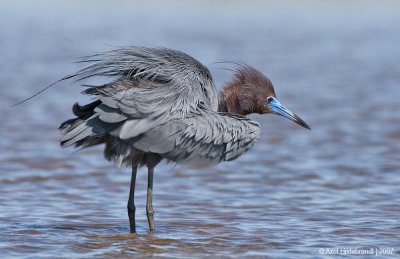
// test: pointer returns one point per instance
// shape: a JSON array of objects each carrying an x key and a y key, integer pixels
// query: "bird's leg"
[
  {"x": 149, "y": 205},
  {"x": 131, "y": 201}
]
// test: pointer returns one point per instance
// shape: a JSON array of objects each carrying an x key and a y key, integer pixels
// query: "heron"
[{"x": 160, "y": 104}]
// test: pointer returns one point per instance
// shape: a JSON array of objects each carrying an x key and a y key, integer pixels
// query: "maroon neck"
[{"x": 230, "y": 101}]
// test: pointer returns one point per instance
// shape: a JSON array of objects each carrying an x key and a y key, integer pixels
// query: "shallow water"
[{"x": 295, "y": 193}]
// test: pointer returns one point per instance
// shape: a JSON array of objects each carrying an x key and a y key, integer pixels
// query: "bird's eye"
[{"x": 270, "y": 99}]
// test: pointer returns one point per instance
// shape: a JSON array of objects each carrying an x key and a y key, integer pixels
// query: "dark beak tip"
[
  {"x": 305, "y": 125},
  {"x": 302, "y": 123}
]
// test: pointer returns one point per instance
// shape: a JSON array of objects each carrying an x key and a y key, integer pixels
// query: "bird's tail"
[{"x": 75, "y": 131}]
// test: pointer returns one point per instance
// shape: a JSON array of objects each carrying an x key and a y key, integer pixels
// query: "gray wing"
[
  {"x": 163, "y": 75},
  {"x": 152, "y": 87}
]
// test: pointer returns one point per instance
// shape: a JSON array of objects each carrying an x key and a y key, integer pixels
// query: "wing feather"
[
  {"x": 109, "y": 114},
  {"x": 152, "y": 76}
]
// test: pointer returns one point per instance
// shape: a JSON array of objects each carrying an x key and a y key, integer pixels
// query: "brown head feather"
[{"x": 247, "y": 92}]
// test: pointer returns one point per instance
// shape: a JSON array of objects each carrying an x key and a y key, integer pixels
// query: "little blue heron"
[{"x": 162, "y": 104}]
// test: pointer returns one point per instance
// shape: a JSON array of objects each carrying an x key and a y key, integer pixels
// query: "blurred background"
[{"x": 334, "y": 63}]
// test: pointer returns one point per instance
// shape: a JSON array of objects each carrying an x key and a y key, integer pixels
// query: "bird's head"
[{"x": 252, "y": 92}]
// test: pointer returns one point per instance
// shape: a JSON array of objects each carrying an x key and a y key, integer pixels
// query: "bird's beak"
[{"x": 283, "y": 111}]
